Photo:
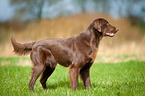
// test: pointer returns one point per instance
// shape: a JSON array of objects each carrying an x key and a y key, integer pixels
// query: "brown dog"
[{"x": 78, "y": 53}]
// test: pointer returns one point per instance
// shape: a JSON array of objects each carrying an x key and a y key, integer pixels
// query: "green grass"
[{"x": 122, "y": 79}]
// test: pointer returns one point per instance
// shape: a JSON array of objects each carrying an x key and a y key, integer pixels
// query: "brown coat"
[{"x": 78, "y": 53}]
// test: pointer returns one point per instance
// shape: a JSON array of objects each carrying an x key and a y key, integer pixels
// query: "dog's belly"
[
  {"x": 63, "y": 60},
  {"x": 62, "y": 57}
]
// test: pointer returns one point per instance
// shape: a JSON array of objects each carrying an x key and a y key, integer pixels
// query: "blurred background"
[{"x": 34, "y": 20}]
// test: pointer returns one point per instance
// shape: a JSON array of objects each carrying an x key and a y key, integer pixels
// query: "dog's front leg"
[
  {"x": 84, "y": 73},
  {"x": 74, "y": 73}
]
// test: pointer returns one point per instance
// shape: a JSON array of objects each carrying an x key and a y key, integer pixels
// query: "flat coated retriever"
[{"x": 77, "y": 53}]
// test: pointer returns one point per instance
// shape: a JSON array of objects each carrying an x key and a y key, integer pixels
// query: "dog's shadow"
[
  {"x": 66, "y": 84},
  {"x": 59, "y": 84},
  {"x": 63, "y": 84}
]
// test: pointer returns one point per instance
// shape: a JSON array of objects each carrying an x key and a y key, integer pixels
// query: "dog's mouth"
[{"x": 111, "y": 34}]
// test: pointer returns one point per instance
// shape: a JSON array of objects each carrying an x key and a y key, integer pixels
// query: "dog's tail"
[{"x": 22, "y": 49}]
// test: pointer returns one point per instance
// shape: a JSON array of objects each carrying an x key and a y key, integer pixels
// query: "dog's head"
[{"x": 102, "y": 25}]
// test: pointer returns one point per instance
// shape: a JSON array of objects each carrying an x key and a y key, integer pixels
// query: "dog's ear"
[{"x": 97, "y": 26}]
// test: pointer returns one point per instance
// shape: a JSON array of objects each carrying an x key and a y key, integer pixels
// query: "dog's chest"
[
  {"x": 90, "y": 58},
  {"x": 92, "y": 55}
]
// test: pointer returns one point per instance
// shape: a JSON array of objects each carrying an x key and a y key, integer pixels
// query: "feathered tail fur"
[{"x": 22, "y": 49}]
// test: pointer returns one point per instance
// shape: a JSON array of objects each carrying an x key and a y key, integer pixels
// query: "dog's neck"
[{"x": 92, "y": 36}]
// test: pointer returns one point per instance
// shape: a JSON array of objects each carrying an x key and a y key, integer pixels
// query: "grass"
[{"x": 125, "y": 78}]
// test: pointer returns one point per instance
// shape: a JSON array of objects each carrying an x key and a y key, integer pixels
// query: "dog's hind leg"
[
  {"x": 37, "y": 58},
  {"x": 50, "y": 64},
  {"x": 37, "y": 70},
  {"x": 47, "y": 72}
]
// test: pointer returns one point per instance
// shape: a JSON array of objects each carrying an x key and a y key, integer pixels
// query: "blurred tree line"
[
  {"x": 38, "y": 9},
  {"x": 31, "y": 8}
]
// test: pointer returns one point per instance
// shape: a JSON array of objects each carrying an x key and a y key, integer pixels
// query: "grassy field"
[{"x": 125, "y": 78}]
